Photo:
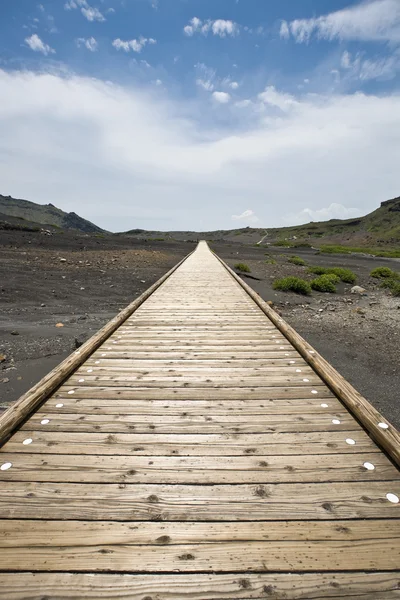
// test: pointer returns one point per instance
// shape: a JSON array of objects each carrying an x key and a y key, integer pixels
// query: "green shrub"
[
  {"x": 296, "y": 260},
  {"x": 395, "y": 289},
  {"x": 392, "y": 284},
  {"x": 344, "y": 274},
  {"x": 318, "y": 270},
  {"x": 384, "y": 273},
  {"x": 292, "y": 284},
  {"x": 242, "y": 267},
  {"x": 325, "y": 283}
]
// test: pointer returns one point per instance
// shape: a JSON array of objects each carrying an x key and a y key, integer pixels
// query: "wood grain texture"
[
  {"x": 234, "y": 586},
  {"x": 196, "y": 453}
]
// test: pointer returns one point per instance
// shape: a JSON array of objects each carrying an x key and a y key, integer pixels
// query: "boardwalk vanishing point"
[{"x": 198, "y": 448}]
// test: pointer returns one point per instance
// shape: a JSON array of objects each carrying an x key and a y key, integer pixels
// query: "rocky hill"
[{"x": 43, "y": 214}]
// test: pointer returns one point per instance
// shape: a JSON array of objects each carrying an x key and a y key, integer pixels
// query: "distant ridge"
[{"x": 45, "y": 214}]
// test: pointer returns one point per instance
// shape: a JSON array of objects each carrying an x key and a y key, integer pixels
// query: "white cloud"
[
  {"x": 278, "y": 99},
  {"x": 40, "y": 7},
  {"x": 233, "y": 85},
  {"x": 89, "y": 12},
  {"x": 35, "y": 43},
  {"x": 247, "y": 217},
  {"x": 89, "y": 43},
  {"x": 206, "y": 85},
  {"x": 359, "y": 68},
  {"x": 374, "y": 20},
  {"x": 243, "y": 103},
  {"x": 135, "y": 45},
  {"x": 221, "y": 97},
  {"x": 284, "y": 30},
  {"x": 92, "y": 14},
  {"x": 346, "y": 60},
  {"x": 334, "y": 211},
  {"x": 131, "y": 157},
  {"x": 219, "y": 27},
  {"x": 223, "y": 28}
]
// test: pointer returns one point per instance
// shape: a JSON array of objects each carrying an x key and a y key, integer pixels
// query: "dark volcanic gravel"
[{"x": 83, "y": 281}]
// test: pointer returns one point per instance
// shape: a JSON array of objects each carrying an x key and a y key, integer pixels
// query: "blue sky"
[{"x": 200, "y": 114}]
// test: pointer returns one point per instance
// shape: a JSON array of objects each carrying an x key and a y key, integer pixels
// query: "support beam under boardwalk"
[{"x": 198, "y": 448}]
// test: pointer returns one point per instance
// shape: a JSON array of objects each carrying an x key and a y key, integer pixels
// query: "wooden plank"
[
  {"x": 247, "y": 586},
  {"x": 271, "y": 444},
  {"x": 30, "y": 533},
  {"x": 189, "y": 470},
  {"x": 251, "y": 393},
  {"x": 157, "y": 408},
  {"x": 184, "y": 423},
  {"x": 332, "y": 555},
  {"x": 137, "y": 502},
  {"x": 176, "y": 381}
]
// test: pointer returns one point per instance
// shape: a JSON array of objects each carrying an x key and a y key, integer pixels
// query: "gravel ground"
[{"x": 82, "y": 281}]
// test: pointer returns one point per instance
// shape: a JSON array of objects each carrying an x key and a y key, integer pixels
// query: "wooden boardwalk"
[{"x": 197, "y": 454}]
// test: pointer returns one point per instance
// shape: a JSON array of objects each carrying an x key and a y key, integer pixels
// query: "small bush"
[
  {"x": 344, "y": 274},
  {"x": 293, "y": 284},
  {"x": 270, "y": 261},
  {"x": 242, "y": 267},
  {"x": 318, "y": 270},
  {"x": 395, "y": 289},
  {"x": 325, "y": 283},
  {"x": 392, "y": 284},
  {"x": 296, "y": 260},
  {"x": 384, "y": 273}
]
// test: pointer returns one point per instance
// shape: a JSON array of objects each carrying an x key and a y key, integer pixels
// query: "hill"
[
  {"x": 42, "y": 214},
  {"x": 381, "y": 228}
]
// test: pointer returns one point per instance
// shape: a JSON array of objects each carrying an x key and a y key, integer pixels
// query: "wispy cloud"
[
  {"x": 89, "y": 12},
  {"x": 135, "y": 45},
  {"x": 357, "y": 67},
  {"x": 248, "y": 217},
  {"x": 37, "y": 45},
  {"x": 206, "y": 85},
  {"x": 277, "y": 99},
  {"x": 374, "y": 20},
  {"x": 89, "y": 43},
  {"x": 334, "y": 211},
  {"x": 219, "y": 27}
]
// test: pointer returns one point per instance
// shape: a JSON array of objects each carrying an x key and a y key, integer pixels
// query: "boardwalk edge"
[
  {"x": 29, "y": 402},
  {"x": 388, "y": 437}
]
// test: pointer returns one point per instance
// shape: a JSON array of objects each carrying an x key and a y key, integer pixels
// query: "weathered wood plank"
[
  {"x": 137, "y": 502},
  {"x": 247, "y": 586},
  {"x": 247, "y": 557},
  {"x": 157, "y": 408},
  {"x": 185, "y": 423},
  {"x": 233, "y": 393},
  {"x": 189, "y": 470},
  {"x": 270, "y": 444}
]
